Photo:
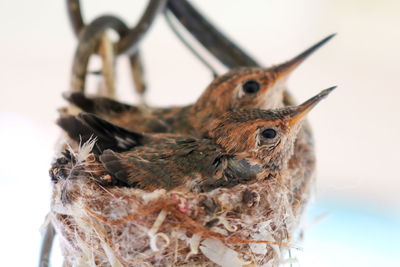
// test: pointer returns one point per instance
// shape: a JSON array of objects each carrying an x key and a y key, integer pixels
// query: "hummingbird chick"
[
  {"x": 241, "y": 146},
  {"x": 240, "y": 88}
]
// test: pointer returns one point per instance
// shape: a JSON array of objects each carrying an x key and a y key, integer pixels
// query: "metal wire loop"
[
  {"x": 128, "y": 42},
  {"x": 89, "y": 38}
]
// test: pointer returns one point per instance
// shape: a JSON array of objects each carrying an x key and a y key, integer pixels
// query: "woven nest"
[{"x": 246, "y": 225}]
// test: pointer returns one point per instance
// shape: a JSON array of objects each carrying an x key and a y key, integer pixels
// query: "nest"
[
  {"x": 102, "y": 224},
  {"x": 246, "y": 225}
]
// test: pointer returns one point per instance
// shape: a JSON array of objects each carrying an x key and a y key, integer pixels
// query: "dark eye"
[
  {"x": 269, "y": 133},
  {"x": 251, "y": 87}
]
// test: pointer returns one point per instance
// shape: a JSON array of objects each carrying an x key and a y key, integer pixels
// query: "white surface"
[{"x": 356, "y": 128}]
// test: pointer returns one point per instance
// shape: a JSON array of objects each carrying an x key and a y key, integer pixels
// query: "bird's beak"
[
  {"x": 284, "y": 69},
  {"x": 298, "y": 112}
]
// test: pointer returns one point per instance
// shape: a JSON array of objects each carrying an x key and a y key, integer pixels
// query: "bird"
[
  {"x": 240, "y": 88},
  {"x": 242, "y": 145}
]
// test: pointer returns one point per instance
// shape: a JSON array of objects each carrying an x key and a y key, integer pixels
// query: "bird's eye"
[
  {"x": 251, "y": 87},
  {"x": 269, "y": 133}
]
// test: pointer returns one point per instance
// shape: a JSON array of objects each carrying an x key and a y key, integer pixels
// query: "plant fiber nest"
[{"x": 246, "y": 225}]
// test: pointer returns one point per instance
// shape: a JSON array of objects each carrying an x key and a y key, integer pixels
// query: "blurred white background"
[{"x": 356, "y": 128}]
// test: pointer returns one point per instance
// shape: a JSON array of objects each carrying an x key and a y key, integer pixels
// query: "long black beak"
[
  {"x": 298, "y": 112},
  {"x": 286, "y": 68}
]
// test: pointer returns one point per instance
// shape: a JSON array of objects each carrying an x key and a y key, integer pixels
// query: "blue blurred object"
[{"x": 351, "y": 235}]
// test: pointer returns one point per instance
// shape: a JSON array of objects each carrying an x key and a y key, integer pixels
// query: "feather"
[
  {"x": 97, "y": 105},
  {"x": 109, "y": 136}
]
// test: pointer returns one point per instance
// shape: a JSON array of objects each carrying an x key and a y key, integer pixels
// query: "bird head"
[
  {"x": 266, "y": 135},
  {"x": 250, "y": 87}
]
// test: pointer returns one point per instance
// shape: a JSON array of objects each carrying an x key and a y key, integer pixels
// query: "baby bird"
[
  {"x": 240, "y": 88},
  {"x": 241, "y": 146}
]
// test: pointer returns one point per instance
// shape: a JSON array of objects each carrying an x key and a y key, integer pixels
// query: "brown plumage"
[
  {"x": 240, "y": 88},
  {"x": 241, "y": 146}
]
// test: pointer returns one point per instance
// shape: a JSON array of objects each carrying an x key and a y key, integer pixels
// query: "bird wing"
[
  {"x": 98, "y": 105},
  {"x": 147, "y": 161},
  {"x": 109, "y": 136},
  {"x": 233, "y": 171},
  {"x": 165, "y": 165},
  {"x": 127, "y": 116}
]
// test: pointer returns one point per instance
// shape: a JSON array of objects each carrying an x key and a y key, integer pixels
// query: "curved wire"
[
  {"x": 47, "y": 244},
  {"x": 186, "y": 43},
  {"x": 210, "y": 37},
  {"x": 75, "y": 15},
  {"x": 128, "y": 42},
  {"x": 88, "y": 42}
]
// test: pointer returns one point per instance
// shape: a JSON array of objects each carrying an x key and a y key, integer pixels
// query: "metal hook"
[
  {"x": 89, "y": 38},
  {"x": 128, "y": 42}
]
